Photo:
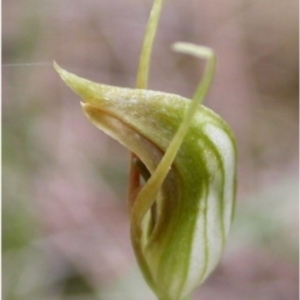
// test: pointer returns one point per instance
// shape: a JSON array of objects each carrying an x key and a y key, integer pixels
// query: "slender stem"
[
  {"x": 145, "y": 58},
  {"x": 142, "y": 83}
]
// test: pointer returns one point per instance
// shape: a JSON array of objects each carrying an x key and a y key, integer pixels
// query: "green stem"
[
  {"x": 145, "y": 58},
  {"x": 142, "y": 83}
]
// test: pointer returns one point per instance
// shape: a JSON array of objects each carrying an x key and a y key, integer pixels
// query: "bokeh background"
[{"x": 65, "y": 216}]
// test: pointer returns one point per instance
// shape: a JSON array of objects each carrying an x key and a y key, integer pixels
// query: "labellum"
[{"x": 183, "y": 171}]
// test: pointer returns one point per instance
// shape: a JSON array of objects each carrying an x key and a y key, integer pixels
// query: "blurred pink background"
[{"x": 65, "y": 216}]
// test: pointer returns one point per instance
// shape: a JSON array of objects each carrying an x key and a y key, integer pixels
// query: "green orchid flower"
[{"x": 183, "y": 170}]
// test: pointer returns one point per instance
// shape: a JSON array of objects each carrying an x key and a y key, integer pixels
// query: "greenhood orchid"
[{"x": 183, "y": 170}]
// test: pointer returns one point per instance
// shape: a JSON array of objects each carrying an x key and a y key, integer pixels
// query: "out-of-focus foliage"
[{"x": 65, "y": 221}]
